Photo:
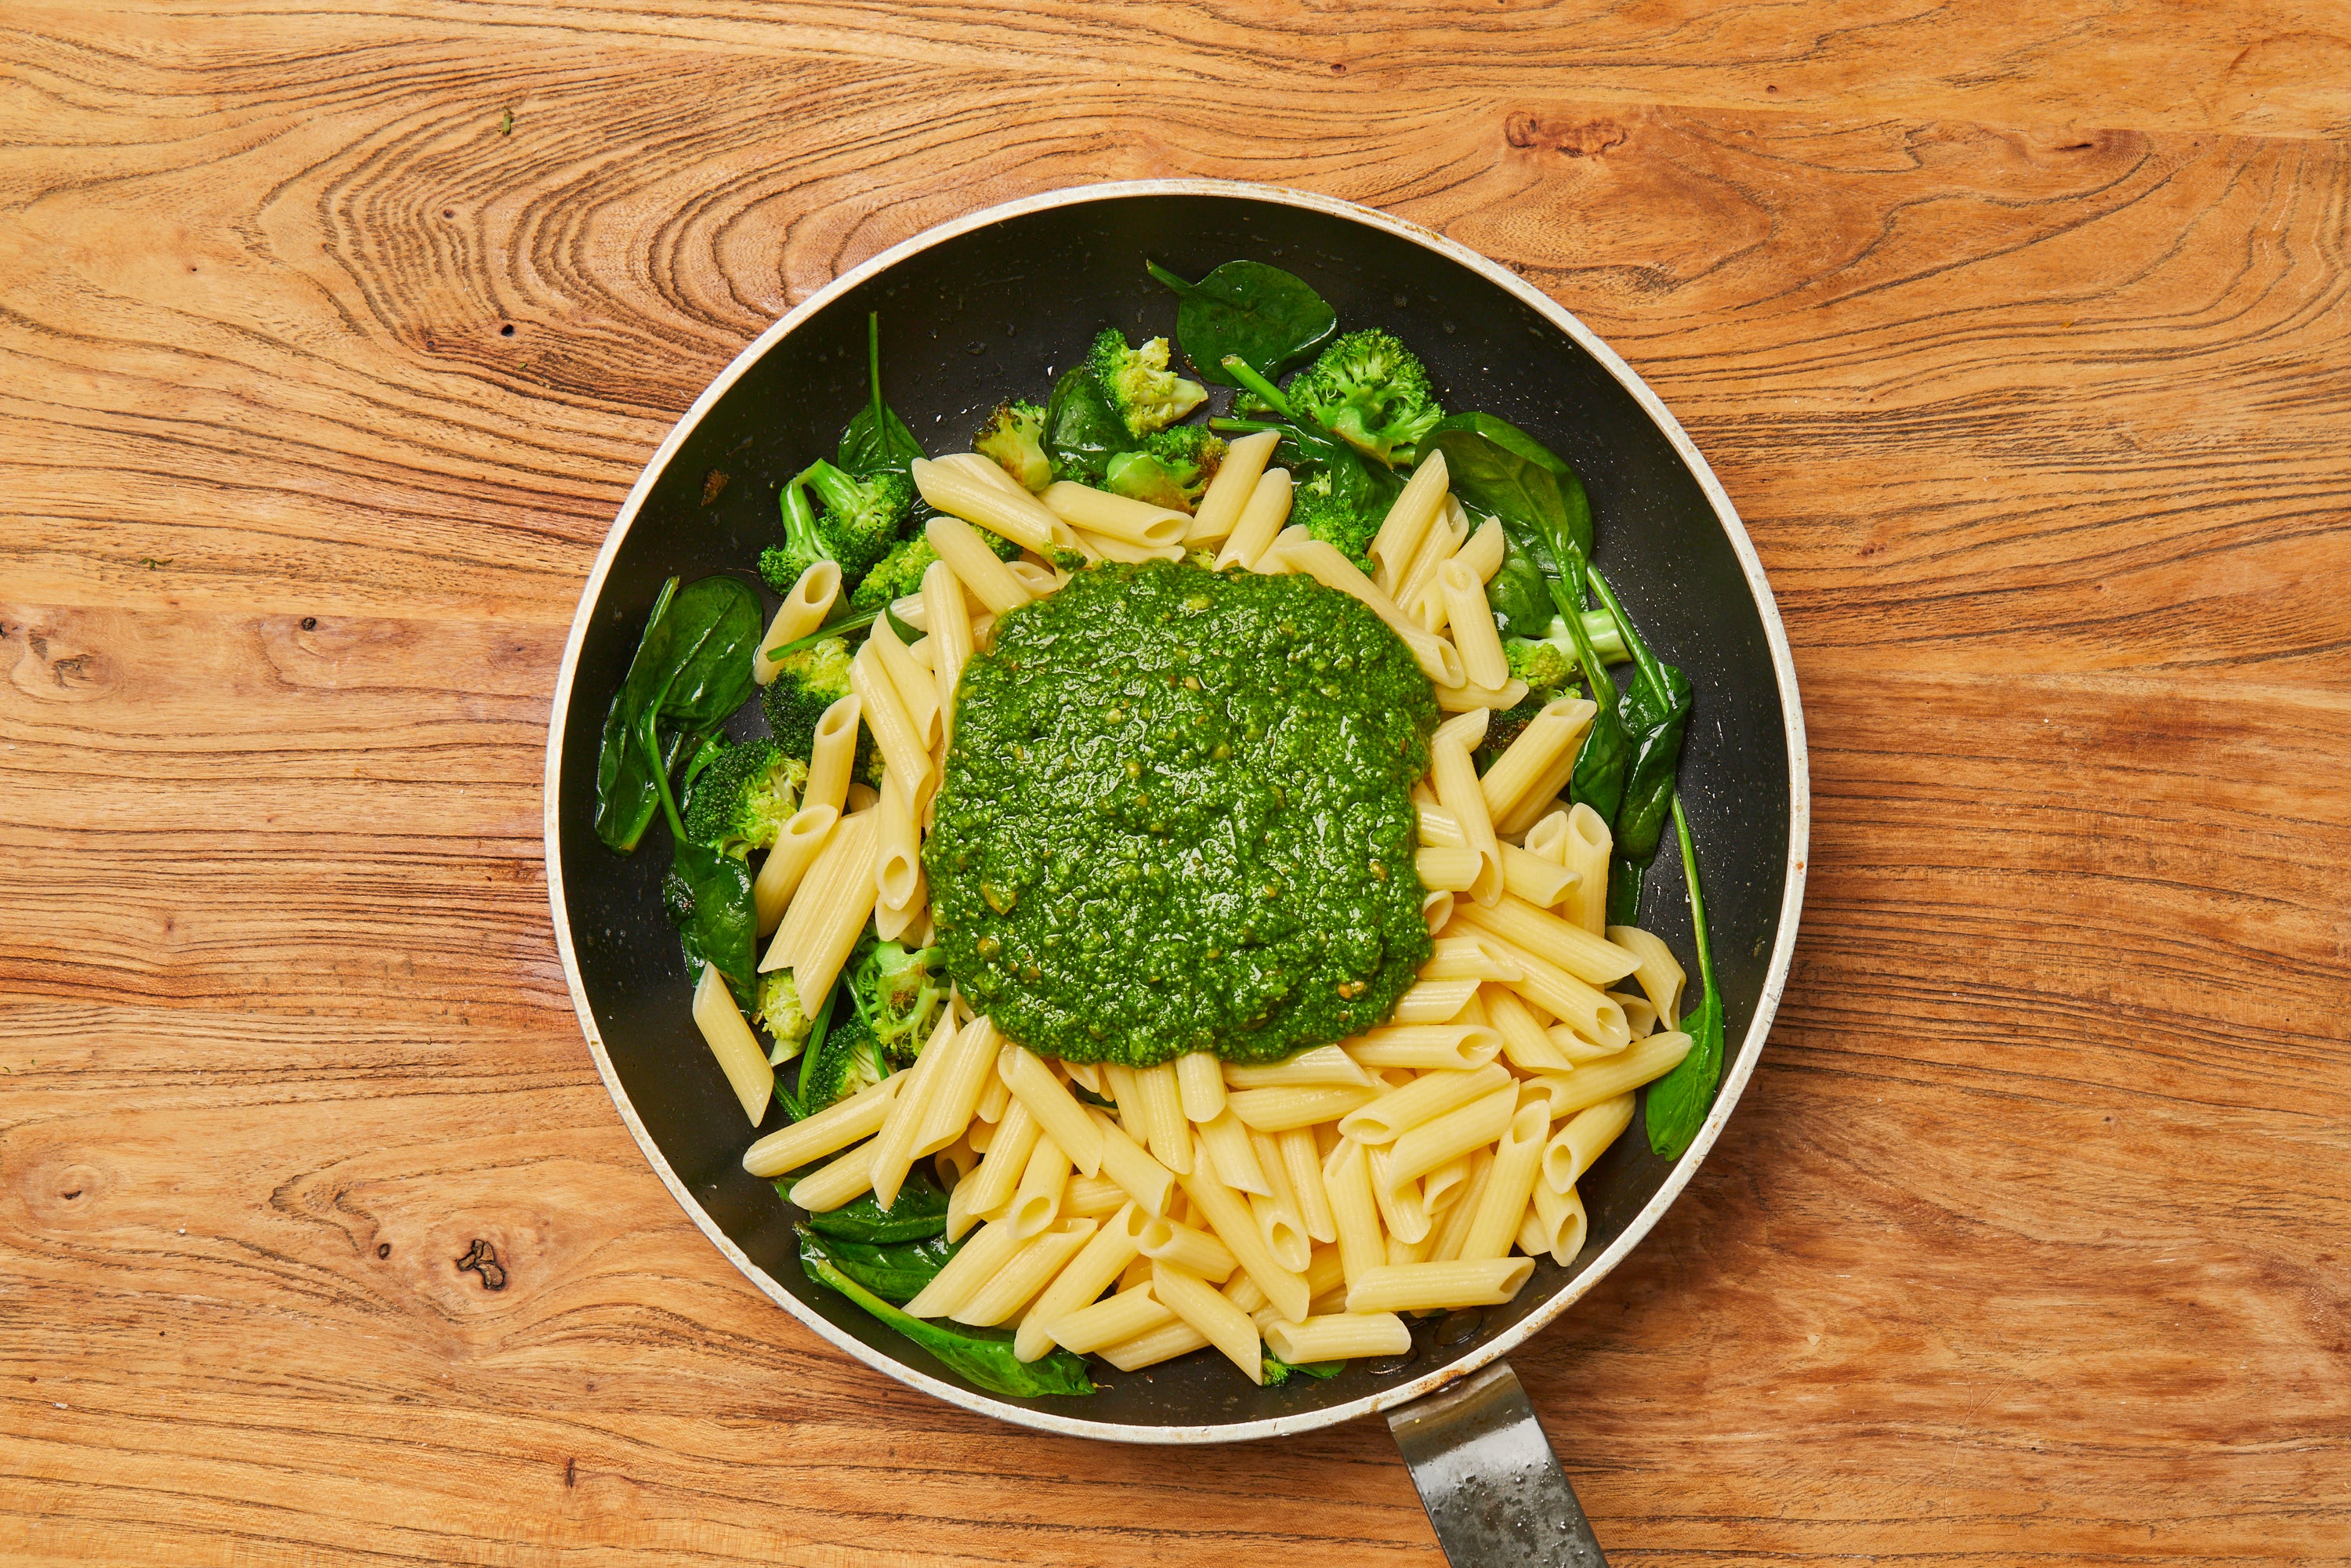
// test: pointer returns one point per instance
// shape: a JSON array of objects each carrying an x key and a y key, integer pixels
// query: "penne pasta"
[
  {"x": 897, "y": 846},
  {"x": 802, "y": 611},
  {"x": 1438, "y": 1287},
  {"x": 1120, "y": 517},
  {"x": 1469, "y": 728},
  {"x": 1510, "y": 1185},
  {"x": 1461, "y": 1214},
  {"x": 1037, "y": 1200},
  {"x": 1464, "y": 957},
  {"x": 1201, "y": 1084},
  {"x": 1437, "y": 658},
  {"x": 967, "y": 495},
  {"x": 1101, "y": 1260},
  {"x": 1582, "y": 1006},
  {"x": 1182, "y": 1246},
  {"x": 1260, "y": 521},
  {"x": 1279, "y": 1110},
  {"x": 1303, "y": 1168},
  {"x": 949, "y": 624},
  {"x": 1324, "y": 1066},
  {"x": 1557, "y": 730},
  {"x": 1403, "y": 1209},
  {"x": 1028, "y": 1271},
  {"x": 1445, "y": 869},
  {"x": 1347, "y": 1177},
  {"x": 998, "y": 1176},
  {"x": 1559, "y": 1225},
  {"x": 1165, "y": 1132},
  {"x": 1140, "y": 1178},
  {"x": 1227, "y": 1139},
  {"x": 1177, "y": 1338},
  {"x": 1457, "y": 789},
  {"x": 1465, "y": 610},
  {"x": 1278, "y": 1217},
  {"x": 1524, "y": 1040},
  {"x": 1584, "y": 847},
  {"x": 840, "y": 894},
  {"x": 1228, "y": 493},
  {"x": 1056, "y": 1111},
  {"x": 1387, "y": 1118},
  {"x": 833, "y": 754},
  {"x": 1434, "y": 1001},
  {"x": 845, "y": 1180},
  {"x": 1539, "y": 882},
  {"x": 1593, "y": 959},
  {"x": 981, "y": 1258},
  {"x": 1127, "y": 1317},
  {"x": 1232, "y": 1220},
  {"x": 740, "y": 1055},
  {"x": 797, "y": 844},
  {"x": 903, "y": 751},
  {"x": 1339, "y": 1336},
  {"x": 1091, "y": 1197},
  {"x": 974, "y": 566},
  {"x": 1660, "y": 974},
  {"x": 1420, "y": 1150},
  {"x": 1410, "y": 520},
  {"x": 1485, "y": 549},
  {"x": 1428, "y": 1047},
  {"x": 899, "y": 1143},
  {"x": 1641, "y": 1062},
  {"x": 1215, "y": 1319},
  {"x": 829, "y": 1131},
  {"x": 917, "y": 689},
  {"x": 1590, "y": 1131}
]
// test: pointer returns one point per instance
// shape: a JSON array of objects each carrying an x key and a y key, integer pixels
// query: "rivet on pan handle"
[{"x": 1486, "y": 1475}]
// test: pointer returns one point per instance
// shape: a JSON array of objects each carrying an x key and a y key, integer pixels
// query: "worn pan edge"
[{"x": 1739, "y": 1069}]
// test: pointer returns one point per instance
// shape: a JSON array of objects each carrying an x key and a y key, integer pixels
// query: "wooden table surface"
[{"x": 2019, "y": 335}]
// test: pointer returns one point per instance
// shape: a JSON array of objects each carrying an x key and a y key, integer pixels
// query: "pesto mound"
[{"x": 1177, "y": 817}]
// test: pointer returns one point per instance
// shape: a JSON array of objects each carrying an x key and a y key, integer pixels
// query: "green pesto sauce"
[{"x": 1177, "y": 817}]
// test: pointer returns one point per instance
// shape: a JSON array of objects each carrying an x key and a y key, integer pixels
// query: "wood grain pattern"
[{"x": 2018, "y": 334}]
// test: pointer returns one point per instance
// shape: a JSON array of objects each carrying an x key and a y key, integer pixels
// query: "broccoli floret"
[
  {"x": 741, "y": 799},
  {"x": 1326, "y": 515},
  {"x": 780, "y": 1014},
  {"x": 901, "y": 571},
  {"x": 1543, "y": 664},
  {"x": 900, "y": 995},
  {"x": 859, "y": 522},
  {"x": 1172, "y": 470},
  {"x": 1013, "y": 438},
  {"x": 807, "y": 683},
  {"x": 846, "y": 1062},
  {"x": 1370, "y": 392},
  {"x": 1138, "y": 385}
]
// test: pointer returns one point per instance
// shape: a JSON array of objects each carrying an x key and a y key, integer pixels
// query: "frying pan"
[{"x": 994, "y": 304}]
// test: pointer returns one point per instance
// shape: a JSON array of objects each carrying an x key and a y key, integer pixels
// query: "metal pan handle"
[{"x": 1486, "y": 1475}]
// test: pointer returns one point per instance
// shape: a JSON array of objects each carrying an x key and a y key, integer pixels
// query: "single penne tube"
[
  {"x": 1028, "y": 1271},
  {"x": 1261, "y": 519},
  {"x": 1303, "y": 1168},
  {"x": 1284, "y": 1237},
  {"x": 1410, "y": 520},
  {"x": 841, "y": 910},
  {"x": 1421, "y": 1150},
  {"x": 1325, "y": 1065},
  {"x": 1091, "y": 1197},
  {"x": 1485, "y": 549},
  {"x": 1403, "y": 1210},
  {"x": 1577, "y": 1051},
  {"x": 1118, "y": 1080},
  {"x": 1524, "y": 1040},
  {"x": 987, "y": 468},
  {"x": 998, "y": 1176},
  {"x": 1431, "y": 1095},
  {"x": 1101, "y": 1260},
  {"x": 1272, "y": 561},
  {"x": 1165, "y": 1132},
  {"x": 1347, "y": 1178},
  {"x": 1434, "y": 1001},
  {"x": 1339, "y": 1336},
  {"x": 1445, "y": 869},
  {"x": 1186, "y": 1248},
  {"x": 1661, "y": 975},
  {"x": 981, "y": 1258},
  {"x": 1555, "y": 731},
  {"x": 1456, "y": 777},
  {"x": 1437, "y": 658},
  {"x": 964, "y": 494},
  {"x": 1227, "y": 1139},
  {"x": 1284, "y": 1199},
  {"x": 918, "y": 691},
  {"x": 954, "y": 1163},
  {"x": 796, "y": 847},
  {"x": 1449, "y": 534},
  {"x": 1201, "y": 1084},
  {"x": 1217, "y": 1319},
  {"x": 1465, "y": 956},
  {"x": 1559, "y": 1225},
  {"x": 1538, "y": 879},
  {"x": 1584, "y": 1007},
  {"x": 1107, "y": 546},
  {"x": 1509, "y": 1185},
  {"x": 899, "y": 1143},
  {"x": 1124, "y": 1317},
  {"x": 1228, "y": 493},
  {"x": 993, "y": 1099},
  {"x": 802, "y": 611},
  {"x": 975, "y": 567},
  {"x": 1640, "y": 1012},
  {"x": 1469, "y": 698},
  {"x": 1441, "y": 1188},
  {"x": 830, "y": 1130},
  {"x": 1230, "y": 1217},
  {"x": 1585, "y": 847},
  {"x": 963, "y": 1077},
  {"x": 949, "y": 618},
  {"x": 1278, "y": 1110},
  {"x": 1037, "y": 1201},
  {"x": 1437, "y": 1287},
  {"x": 960, "y": 1217},
  {"x": 1124, "y": 1162},
  {"x": 898, "y": 925},
  {"x": 982, "y": 1133},
  {"x": 1590, "y": 1131},
  {"x": 903, "y": 750},
  {"x": 1548, "y": 837},
  {"x": 1437, "y": 828},
  {"x": 849, "y": 1177},
  {"x": 1086, "y": 1075},
  {"x": 833, "y": 754},
  {"x": 1473, "y": 624},
  {"x": 801, "y": 909},
  {"x": 740, "y": 1055},
  {"x": 1527, "y": 928},
  {"x": 1469, "y": 728},
  {"x": 1428, "y": 1047},
  {"x": 1120, "y": 518},
  {"x": 1056, "y": 1111},
  {"x": 1401, "y": 1253},
  {"x": 1175, "y": 1338},
  {"x": 1642, "y": 1061},
  {"x": 1461, "y": 1213},
  {"x": 1324, "y": 1274},
  {"x": 1437, "y": 911},
  {"x": 897, "y": 846}
]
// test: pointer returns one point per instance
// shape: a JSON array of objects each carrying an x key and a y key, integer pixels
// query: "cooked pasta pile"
[{"x": 1300, "y": 1208}]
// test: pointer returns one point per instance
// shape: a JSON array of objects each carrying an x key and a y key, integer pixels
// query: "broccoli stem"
[
  {"x": 1241, "y": 372},
  {"x": 800, "y": 520},
  {"x": 836, "y": 489}
]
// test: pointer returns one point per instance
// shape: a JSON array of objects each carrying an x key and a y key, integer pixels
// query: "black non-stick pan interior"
[{"x": 996, "y": 312}]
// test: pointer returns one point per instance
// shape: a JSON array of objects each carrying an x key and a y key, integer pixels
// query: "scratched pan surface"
[{"x": 993, "y": 305}]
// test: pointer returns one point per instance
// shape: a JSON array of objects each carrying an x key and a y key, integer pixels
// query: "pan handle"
[{"x": 1486, "y": 1475}]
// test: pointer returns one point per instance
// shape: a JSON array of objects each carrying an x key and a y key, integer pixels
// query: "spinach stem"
[
  {"x": 841, "y": 628},
  {"x": 1242, "y": 371},
  {"x": 1651, "y": 670},
  {"x": 1696, "y": 897}
]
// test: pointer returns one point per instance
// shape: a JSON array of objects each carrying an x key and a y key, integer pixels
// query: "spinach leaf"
[
  {"x": 895, "y": 1271},
  {"x": 1081, "y": 432},
  {"x": 1494, "y": 466},
  {"x": 920, "y": 1210},
  {"x": 625, "y": 801},
  {"x": 717, "y": 920},
  {"x": 1522, "y": 605},
  {"x": 1654, "y": 723},
  {"x": 1677, "y": 1104},
  {"x": 1269, "y": 318},
  {"x": 715, "y": 629},
  {"x": 982, "y": 1357},
  {"x": 876, "y": 441}
]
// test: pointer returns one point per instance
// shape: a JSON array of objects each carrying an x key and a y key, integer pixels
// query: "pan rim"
[{"x": 1737, "y": 1073}]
